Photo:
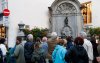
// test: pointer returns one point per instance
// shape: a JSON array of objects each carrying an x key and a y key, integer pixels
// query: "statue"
[{"x": 66, "y": 30}]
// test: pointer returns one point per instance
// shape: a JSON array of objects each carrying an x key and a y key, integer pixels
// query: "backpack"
[
  {"x": 38, "y": 54},
  {"x": 28, "y": 50},
  {"x": 1, "y": 56}
]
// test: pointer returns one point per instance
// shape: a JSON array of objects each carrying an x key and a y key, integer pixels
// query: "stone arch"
[
  {"x": 60, "y": 9},
  {"x": 58, "y": 2}
]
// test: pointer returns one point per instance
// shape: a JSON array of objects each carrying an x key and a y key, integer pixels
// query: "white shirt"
[
  {"x": 88, "y": 46},
  {"x": 3, "y": 49}
]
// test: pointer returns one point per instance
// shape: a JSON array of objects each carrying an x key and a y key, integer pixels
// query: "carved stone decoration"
[{"x": 65, "y": 8}]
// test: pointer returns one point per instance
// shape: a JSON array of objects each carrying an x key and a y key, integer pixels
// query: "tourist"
[
  {"x": 44, "y": 45},
  {"x": 38, "y": 55},
  {"x": 69, "y": 42},
  {"x": 58, "y": 54},
  {"x": 95, "y": 52},
  {"x": 87, "y": 45},
  {"x": 51, "y": 45},
  {"x": 28, "y": 48},
  {"x": 10, "y": 58},
  {"x": 77, "y": 53},
  {"x": 3, "y": 49},
  {"x": 19, "y": 51},
  {"x": 98, "y": 49},
  {"x": 1, "y": 56}
]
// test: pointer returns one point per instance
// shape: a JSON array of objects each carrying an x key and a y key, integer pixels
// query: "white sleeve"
[
  {"x": 88, "y": 47},
  {"x": 90, "y": 51},
  {"x": 4, "y": 49}
]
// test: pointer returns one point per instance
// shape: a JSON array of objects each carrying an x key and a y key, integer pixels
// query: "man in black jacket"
[{"x": 28, "y": 49}]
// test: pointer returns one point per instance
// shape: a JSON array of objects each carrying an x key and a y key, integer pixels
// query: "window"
[
  {"x": 2, "y": 31},
  {"x": 86, "y": 12}
]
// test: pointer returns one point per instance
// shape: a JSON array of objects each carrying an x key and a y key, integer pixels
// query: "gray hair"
[
  {"x": 53, "y": 35},
  {"x": 44, "y": 39},
  {"x": 30, "y": 37},
  {"x": 83, "y": 34}
]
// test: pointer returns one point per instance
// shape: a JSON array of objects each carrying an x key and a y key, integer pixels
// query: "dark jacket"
[
  {"x": 77, "y": 54},
  {"x": 69, "y": 45},
  {"x": 1, "y": 56},
  {"x": 95, "y": 52},
  {"x": 38, "y": 56},
  {"x": 28, "y": 50}
]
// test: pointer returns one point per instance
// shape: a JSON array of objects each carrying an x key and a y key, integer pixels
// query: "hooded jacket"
[{"x": 59, "y": 54}]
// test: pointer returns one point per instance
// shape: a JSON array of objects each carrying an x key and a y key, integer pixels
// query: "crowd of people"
[{"x": 53, "y": 49}]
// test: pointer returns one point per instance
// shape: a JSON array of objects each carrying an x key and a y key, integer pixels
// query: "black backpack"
[{"x": 28, "y": 50}]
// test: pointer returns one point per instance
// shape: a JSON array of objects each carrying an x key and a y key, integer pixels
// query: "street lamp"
[{"x": 21, "y": 28}]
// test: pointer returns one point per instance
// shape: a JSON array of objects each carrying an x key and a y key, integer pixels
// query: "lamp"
[{"x": 21, "y": 28}]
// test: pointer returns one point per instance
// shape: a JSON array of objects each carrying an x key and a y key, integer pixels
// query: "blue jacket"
[
  {"x": 58, "y": 54},
  {"x": 45, "y": 47}
]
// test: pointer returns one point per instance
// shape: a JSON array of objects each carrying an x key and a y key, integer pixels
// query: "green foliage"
[
  {"x": 37, "y": 32},
  {"x": 44, "y": 32},
  {"x": 26, "y": 31},
  {"x": 94, "y": 31}
]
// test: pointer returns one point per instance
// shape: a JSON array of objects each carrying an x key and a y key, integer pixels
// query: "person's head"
[
  {"x": 61, "y": 42},
  {"x": 53, "y": 35},
  {"x": 2, "y": 40},
  {"x": 78, "y": 41},
  {"x": 93, "y": 40},
  {"x": 44, "y": 39},
  {"x": 30, "y": 37},
  {"x": 38, "y": 39},
  {"x": 37, "y": 45},
  {"x": 69, "y": 39},
  {"x": 18, "y": 40},
  {"x": 83, "y": 34}
]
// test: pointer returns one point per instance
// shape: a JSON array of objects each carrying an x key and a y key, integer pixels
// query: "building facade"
[
  {"x": 3, "y": 5},
  {"x": 36, "y": 13}
]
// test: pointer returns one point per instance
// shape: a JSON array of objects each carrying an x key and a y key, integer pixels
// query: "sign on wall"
[
  {"x": 5, "y": 21},
  {"x": 6, "y": 12}
]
